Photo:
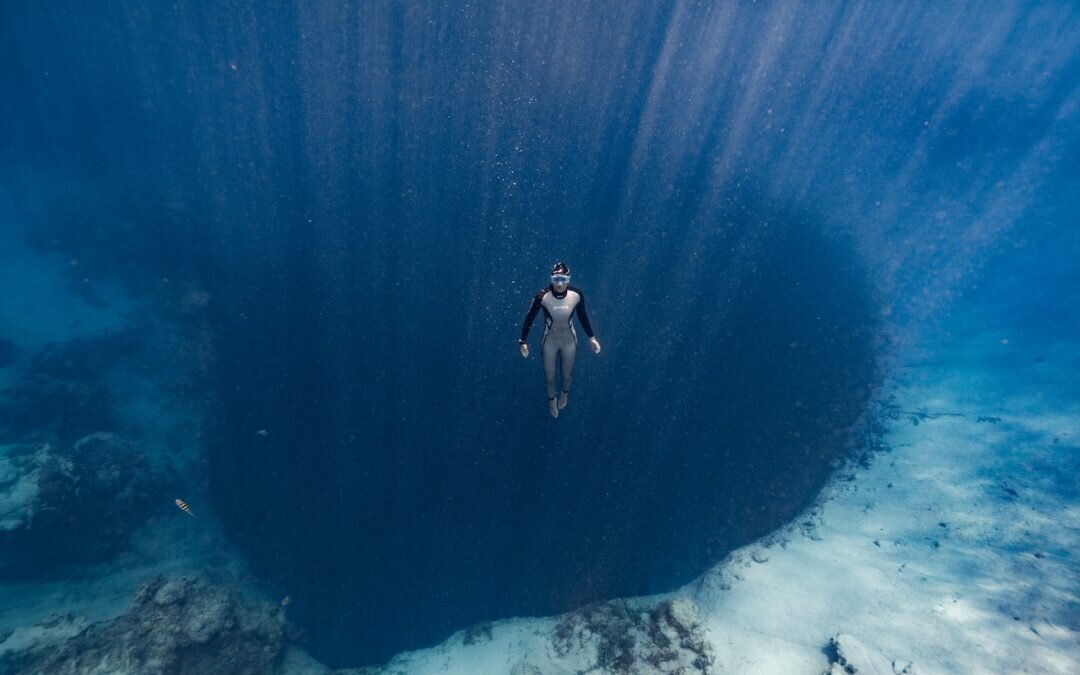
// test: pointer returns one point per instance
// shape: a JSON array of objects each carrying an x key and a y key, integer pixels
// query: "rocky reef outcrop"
[
  {"x": 848, "y": 655},
  {"x": 76, "y": 503},
  {"x": 39, "y": 407},
  {"x": 179, "y": 626},
  {"x": 63, "y": 393},
  {"x": 632, "y": 640}
]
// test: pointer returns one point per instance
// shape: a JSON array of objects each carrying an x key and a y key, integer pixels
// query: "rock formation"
[
  {"x": 627, "y": 639},
  {"x": 70, "y": 504},
  {"x": 181, "y": 626}
]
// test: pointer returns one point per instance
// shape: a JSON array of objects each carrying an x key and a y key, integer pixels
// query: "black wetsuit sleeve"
[
  {"x": 537, "y": 299},
  {"x": 582, "y": 315}
]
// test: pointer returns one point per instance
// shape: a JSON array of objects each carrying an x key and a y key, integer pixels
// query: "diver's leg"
[
  {"x": 551, "y": 352},
  {"x": 569, "y": 353}
]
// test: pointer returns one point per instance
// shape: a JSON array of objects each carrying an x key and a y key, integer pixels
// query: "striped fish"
[{"x": 184, "y": 507}]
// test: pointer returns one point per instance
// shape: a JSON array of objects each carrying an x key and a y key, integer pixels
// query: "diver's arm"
[
  {"x": 533, "y": 310},
  {"x": 583, "y": 317}
]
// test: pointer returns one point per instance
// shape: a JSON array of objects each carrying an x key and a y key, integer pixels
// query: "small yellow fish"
[{"x": 184, "y": 507}]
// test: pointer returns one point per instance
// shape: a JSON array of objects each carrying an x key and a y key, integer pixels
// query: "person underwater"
[{"x": 560, "y": 302}]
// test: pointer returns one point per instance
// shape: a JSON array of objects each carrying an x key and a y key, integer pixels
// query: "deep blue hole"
[
  {"x": 368, "y": 249},
  {"x": 410, "y": 483}
]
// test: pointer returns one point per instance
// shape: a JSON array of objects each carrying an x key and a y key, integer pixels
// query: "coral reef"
[
  {"x": 181, "y": 626},
  {"x": 70, "y": 503}
]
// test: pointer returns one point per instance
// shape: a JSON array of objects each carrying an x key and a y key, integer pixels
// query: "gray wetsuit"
[{"x": 560, "y": 338}]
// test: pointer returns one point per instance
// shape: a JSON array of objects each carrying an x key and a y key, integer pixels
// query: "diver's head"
[{"x": 560, "y": 277}]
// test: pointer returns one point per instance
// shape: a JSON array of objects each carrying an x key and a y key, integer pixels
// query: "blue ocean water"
[{"x": 332, "y": 218}]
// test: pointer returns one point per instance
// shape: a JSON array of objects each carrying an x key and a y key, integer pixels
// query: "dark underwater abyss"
[{"x": 365, "y": 199}]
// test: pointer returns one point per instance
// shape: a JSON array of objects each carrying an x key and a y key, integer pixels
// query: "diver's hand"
[
  {"x": 524, "y": 349},
  {"x": 595, "y": 345}
]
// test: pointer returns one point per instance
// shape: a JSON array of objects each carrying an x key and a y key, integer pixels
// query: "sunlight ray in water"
[{"x": 262, "y": 385}]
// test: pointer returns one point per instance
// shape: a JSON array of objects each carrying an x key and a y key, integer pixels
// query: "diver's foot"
[
  {"x": 554, "y": 407},
  {"x": 562, "y": 400}
]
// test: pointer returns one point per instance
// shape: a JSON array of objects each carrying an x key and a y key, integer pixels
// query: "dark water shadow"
[
  {"x": 392, "y": 467},
  {"x": 397, "y": 474}
]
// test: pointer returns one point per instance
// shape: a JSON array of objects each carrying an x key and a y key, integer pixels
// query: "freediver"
[{"x": 560, "y": 302}]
